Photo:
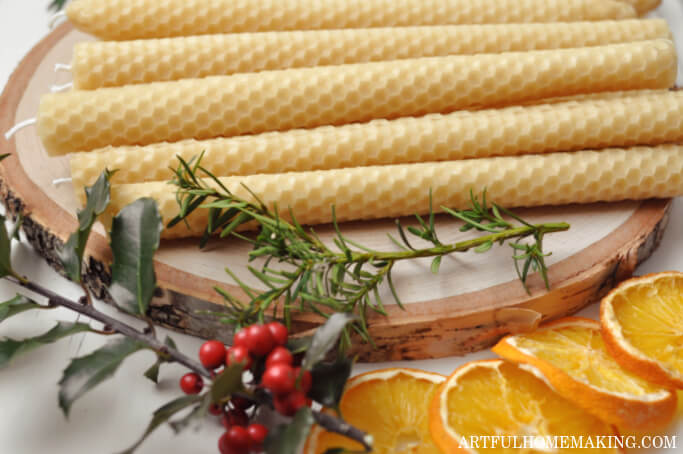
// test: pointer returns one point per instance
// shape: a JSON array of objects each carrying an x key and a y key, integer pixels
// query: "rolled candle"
[
  {"x": 643, "y": 6},
  {"x": 99, "y": 64},
  {"x": 648, "y": 118},
  {"x": 136, "y": 19},
  {"x": 221, "y": 106},
  {"x": 361, "y": 193}
]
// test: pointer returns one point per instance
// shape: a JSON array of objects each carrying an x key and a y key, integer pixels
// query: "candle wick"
[
  {"x": 62, "y": 67},
  {"x": 58, "y": 88},
  {"x": 56, "y": 19},
  {"x": 58, "y": 181},
  {"x": 21, "y": 125}
]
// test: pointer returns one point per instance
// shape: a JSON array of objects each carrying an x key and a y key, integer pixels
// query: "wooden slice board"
[{"x": 473, "y": 300}]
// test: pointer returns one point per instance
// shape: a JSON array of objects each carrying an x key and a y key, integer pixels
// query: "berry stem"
[{"x": 117, "y": 326}]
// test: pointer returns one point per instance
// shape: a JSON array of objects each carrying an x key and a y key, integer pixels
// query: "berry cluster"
[{"x": 261, "y": 350}]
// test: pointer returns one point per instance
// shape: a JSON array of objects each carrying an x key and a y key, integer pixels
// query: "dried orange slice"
[
  {"x": 642, "y": 324},
  {"x": 572, "y": 356},
  {"x": 392, "y": 405},
  {"x": 511, "y": 405}
]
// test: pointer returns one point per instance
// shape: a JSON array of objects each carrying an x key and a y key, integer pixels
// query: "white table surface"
[{"x": 112, "y": 416}]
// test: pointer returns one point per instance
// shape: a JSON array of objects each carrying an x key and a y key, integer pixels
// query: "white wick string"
[
  {"x": 18, "y": 126},
  {"x": 58, "y": 88},
  {"x": 54, "y": 20},
  {"x": 58, "y": 181},
  {"x": 62, "y": 67}
]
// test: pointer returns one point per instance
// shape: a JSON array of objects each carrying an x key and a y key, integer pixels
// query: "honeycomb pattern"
[
  {"x": 643, "y": 6},
  {"x": 642, "y": 119},
  {"x": 221, "y": 106},
  {"x": 107, "y": 64},
  {"x": 136, "y": 19},
  {"x": 400, "y": 190}
]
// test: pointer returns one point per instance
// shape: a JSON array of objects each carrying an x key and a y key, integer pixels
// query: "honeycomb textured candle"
[
  {"x": 136, "y": 19},
  {"x": 222, "y": 106},
  {"x": 106, "y": 64},
  {"x": 400, "y": 190},
  {"x": 642, "y": 119}
]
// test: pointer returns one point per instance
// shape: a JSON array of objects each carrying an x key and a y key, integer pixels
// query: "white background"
[{"x": 110, "y": 418}]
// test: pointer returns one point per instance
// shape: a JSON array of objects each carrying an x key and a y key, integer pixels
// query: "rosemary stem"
[
  {"x": 116, "y": 326},
  {"x": 454, "y": 247}
]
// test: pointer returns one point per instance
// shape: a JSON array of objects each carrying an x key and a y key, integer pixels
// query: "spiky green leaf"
[
  {"x": 86, "y": 372},
  {"x": 135, "y": 236},
  {"x": 11, "y": 348},
  {"x": 97, "y": 200}
]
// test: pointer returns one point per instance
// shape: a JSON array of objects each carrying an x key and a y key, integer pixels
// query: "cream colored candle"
[
  {"x": 641, "y": 119},
  {"x": 135, "y": 19},
  {"x": 643, "y": 6},
  {"x": 109, "y": 63},
  {"x": 222, "y": 106},
  {"x": 400, "y": 190}
]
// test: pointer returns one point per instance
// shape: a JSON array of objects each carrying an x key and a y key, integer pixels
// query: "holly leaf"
[
  {"x": 86, "y": 372},
  {"x": 325, "y": 338},
  {"x": 56, "y": 5},
  {"x": 15, "y": 306},
  {"x": 153, "y": 372},
  {"x": 196, "y": 416},
  {"x": 329, "y": 380},
  {"x": 289, "y": 438},
  {"x": 163, "y": 414},
  {"x": 227, "y": 383},
  {"x": 97, "y": 200},
  {"x": 10, "y": 348},
  {"x": 135, "y": 235},
  {"x": 5, "y": 250}
]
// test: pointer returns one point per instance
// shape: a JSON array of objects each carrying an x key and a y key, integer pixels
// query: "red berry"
[
  {"x": 223, "y": 446},
  {"x": 235, "y": 417},
  {"x": 279, "y": 378},
  {"x": 289, "y": 404},
  {"x": 215, "y": 409},
  {"x": 191, "y": 383},
  {"x": 240, "y": 403},
  {"x": 279, "y": 332},
  {"x": 240, "y": 338},
  {"x": 212, "y": 354},
  {"x": 257, "y": 433},
  {"x": 279, "y": 355},
  {"x": 235, "y": 441},
  {"x": 304, "y": 380},
  {"x": 259, "y": 340},
  {"x": 238, "y": 355}
]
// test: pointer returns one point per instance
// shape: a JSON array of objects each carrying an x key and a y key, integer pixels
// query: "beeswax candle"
[
  {"x": 400, "y": 190},
  {"x": 136, "y": 19},
  {"x": 110, "y": 63},
  {"x": 632, "y": 119},
  {"x": 223, "y": 106}
]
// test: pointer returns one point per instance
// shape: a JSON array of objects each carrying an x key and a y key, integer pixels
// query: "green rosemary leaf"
[
  {"x": 396, "y": 242},
  {"x": 484, "y": 247},
  {"x": 236, "y": 222},
  {"x": 403, "y": 236},
  {"x": 245, "y": 288},
  {"x": 393, "y": 290},
  {"x": 436, "y": 264}
]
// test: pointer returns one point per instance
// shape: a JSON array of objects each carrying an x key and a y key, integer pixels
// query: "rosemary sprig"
[{"x": 317, "y": 278}]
